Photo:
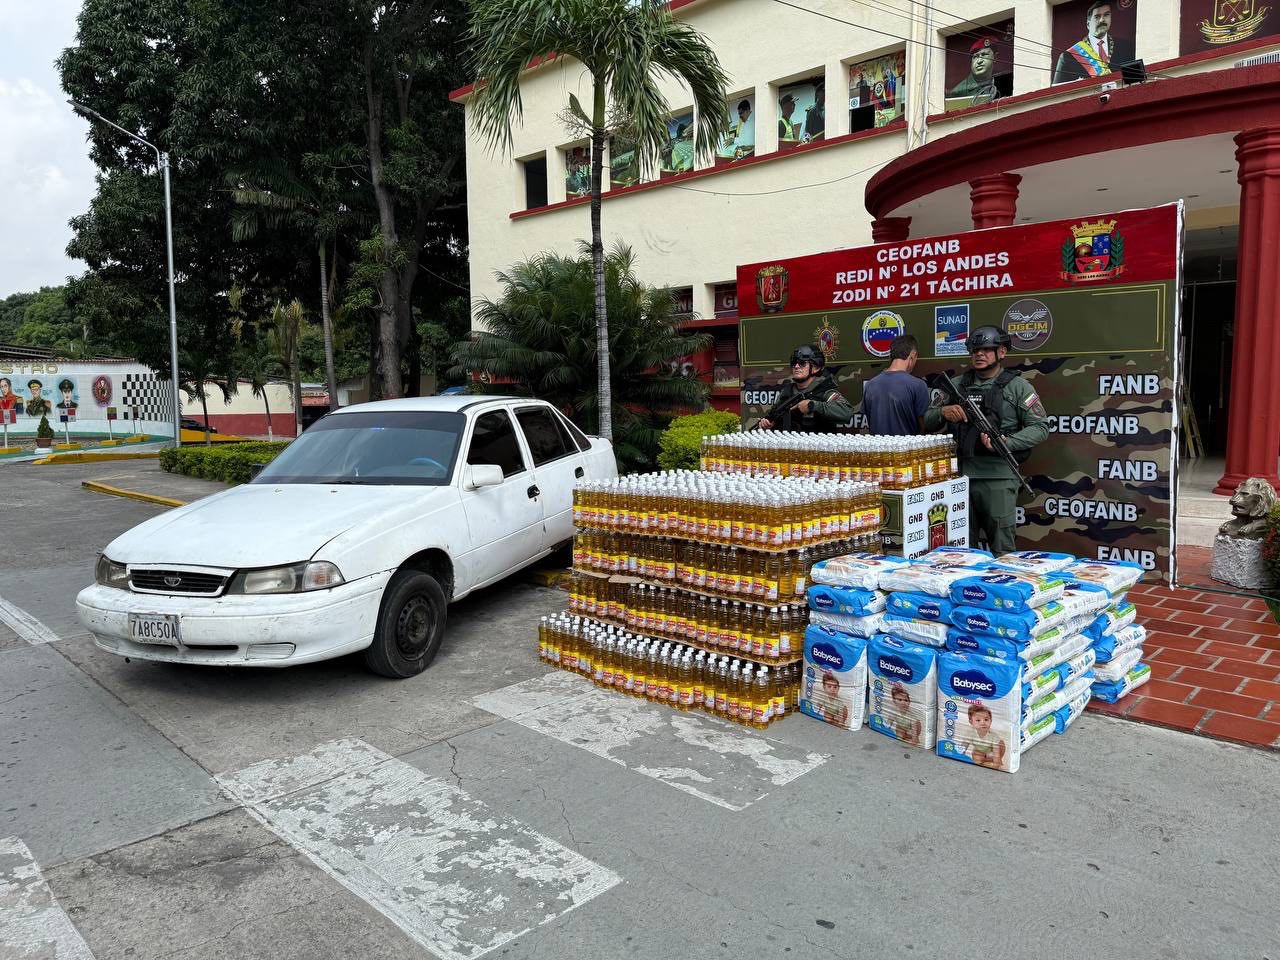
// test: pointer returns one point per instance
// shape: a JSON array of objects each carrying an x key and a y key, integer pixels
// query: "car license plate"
[{"x": 160, "y": 628}]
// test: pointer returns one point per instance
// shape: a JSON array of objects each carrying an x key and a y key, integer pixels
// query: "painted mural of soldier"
[{"x": 38, "y": 405}]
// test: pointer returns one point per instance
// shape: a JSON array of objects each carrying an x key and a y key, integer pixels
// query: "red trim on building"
[
  {"x": 1199, "y": 105},
  {"x": 899, "y": 126}
]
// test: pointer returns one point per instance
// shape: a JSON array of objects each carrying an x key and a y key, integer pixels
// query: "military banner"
[{"x": 1092, "y": 308}]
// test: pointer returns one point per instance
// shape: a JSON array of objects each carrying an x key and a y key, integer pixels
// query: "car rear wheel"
[{"x": 410, "y": 625}]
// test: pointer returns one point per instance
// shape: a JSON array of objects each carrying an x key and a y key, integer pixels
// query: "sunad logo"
[
  {"x": 824, "y": 654},
  {"x": 894, "y": 667},
  {"x": 971, "y": 681}
]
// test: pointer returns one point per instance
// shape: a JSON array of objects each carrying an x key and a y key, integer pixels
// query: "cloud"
[{"x": 45, "y": 174}]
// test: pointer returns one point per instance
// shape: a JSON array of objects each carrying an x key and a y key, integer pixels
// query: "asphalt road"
[{"x": 491, "y": 806}]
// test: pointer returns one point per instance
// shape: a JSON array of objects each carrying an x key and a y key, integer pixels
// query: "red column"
[
  {"x": 1253, "y": 428},
  {"x": 890, "y": 229},
  {"x": 995, "y": 200}
]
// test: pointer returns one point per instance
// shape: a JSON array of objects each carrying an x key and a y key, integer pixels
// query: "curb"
[
  {"x": 111, "y": 491},
  {"x": 92, "y": 457}
]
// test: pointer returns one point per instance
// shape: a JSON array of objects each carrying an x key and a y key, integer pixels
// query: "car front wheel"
[{"x": 410, "y": 625}]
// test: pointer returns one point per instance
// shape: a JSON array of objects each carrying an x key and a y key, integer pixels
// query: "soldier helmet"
[
  {"x": 987, "y": 336},
  {"x": 810, "y": 354}
]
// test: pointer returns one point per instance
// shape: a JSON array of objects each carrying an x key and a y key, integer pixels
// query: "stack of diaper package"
[{"x": 976, "y": 656}]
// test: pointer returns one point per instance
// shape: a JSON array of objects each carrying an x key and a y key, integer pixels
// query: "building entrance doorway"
[{"x": 1208, "y": 331}]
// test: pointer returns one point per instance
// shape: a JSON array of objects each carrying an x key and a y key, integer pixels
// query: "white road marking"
[
  {"x": 454, "y": 875},
  {"x": 24, "y": 624},
  {"x": 708, "y": 758},
  {"x": 32, "y": 924}
]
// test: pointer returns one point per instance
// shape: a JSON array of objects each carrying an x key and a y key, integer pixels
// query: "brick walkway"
[{"x": 1215, "y": 662}]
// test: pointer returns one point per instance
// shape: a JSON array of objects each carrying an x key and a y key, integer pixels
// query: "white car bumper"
[{"x": 266, "y": 631}]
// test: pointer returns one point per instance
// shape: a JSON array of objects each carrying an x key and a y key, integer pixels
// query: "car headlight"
[
  {"x": 111, "y": 574},
  {"x": 294, "y": 578}
]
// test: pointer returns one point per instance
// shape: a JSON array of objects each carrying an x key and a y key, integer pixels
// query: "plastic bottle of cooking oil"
[{"x": 762, "y": 700}]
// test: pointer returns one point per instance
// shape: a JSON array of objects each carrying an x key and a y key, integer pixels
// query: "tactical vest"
[
  {"x": 992, "y": 402},
  {"x": 793, "y": 419}
]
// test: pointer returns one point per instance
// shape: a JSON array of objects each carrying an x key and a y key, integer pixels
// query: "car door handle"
[
  {"x": 578, "y": 472},
  {"x": 533, "y": 491}
]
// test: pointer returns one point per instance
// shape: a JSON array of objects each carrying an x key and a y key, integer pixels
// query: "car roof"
[{"x": 453, "y": 403}]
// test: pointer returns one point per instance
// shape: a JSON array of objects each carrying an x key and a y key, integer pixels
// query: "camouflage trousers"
[{"x": 993, "y": 508}]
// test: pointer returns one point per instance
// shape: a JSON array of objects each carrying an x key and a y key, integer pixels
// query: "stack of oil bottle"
[
  {"x": 894, "y": 463},
  {"x": 678, "y": 675},
  {"x": 689, "y": 586}
]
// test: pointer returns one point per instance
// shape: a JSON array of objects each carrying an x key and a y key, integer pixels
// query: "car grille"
[{"x": 177, "y": 582}]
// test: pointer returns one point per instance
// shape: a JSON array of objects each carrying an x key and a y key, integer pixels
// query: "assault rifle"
[
  {"x": 785, "y": 408},
  {"x": 984, "y": 426}
]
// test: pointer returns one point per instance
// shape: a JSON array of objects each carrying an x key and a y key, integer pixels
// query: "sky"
[{"x": 45, "y": 174}]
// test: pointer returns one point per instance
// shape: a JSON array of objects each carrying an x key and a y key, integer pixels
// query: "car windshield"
[{"x": 392, "y": 447}]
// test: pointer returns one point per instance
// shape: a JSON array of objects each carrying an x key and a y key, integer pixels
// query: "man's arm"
[
  {"x": 1033, "y": 422},
  {"x": 834, "y": 409}
]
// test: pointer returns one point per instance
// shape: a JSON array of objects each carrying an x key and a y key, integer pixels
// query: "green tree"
[
  {"x": 285, "y": 336},
  {"x": 540, "y": 338},
  {"x": 198, "y": 370},
  {"x": 12, "y": 310},
  {"x": 627, "y": 46}
]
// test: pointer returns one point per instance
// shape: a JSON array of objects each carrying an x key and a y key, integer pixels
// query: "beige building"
[{"x": 973, "y": 131}]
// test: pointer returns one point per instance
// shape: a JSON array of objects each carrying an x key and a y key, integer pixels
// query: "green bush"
[
  {"x": 44, "y": 431},
  {"x": 681, "y": 443},
  {"x": 230, "y": 463},
  {"x": 1271, "y": 557}
]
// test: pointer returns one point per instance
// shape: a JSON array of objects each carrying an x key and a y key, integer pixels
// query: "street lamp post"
[{"x": 162, "y": 160}]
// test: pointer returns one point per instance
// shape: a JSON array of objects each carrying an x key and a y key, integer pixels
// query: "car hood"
[{"x": 265, "y": 525}]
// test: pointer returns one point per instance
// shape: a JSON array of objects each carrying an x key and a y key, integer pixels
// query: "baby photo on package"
[
  {"x": 833, "y": 688},
  {"x": 860, "y": 570},
  {"x": 959, "y": 557},
  {"x": 903, "y": 681},
  {"x": 980, "y": 710},
  {"x": 1114, "y": 576},
  {"x": 1035, "y": 561}
]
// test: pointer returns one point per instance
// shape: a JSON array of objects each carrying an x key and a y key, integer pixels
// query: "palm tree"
[
  {"x": 626, "y": 46},
  {"x": 259, "y": 366},
  {"x": 197, "y": 369},
  {"x": 284, "y": 335},
  {"x": 539, "y": 338}
]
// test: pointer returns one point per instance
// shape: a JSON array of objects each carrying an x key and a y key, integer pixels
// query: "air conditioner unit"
[{"x": 1260, "y": 59}]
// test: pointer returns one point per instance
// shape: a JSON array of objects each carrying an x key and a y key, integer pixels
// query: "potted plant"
[{"x": 44, "y": 434}]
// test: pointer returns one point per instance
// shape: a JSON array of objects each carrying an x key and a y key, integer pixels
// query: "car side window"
[
  {"x": 546, "y": 442},
  {"x": 494, "y": 441},
  {"x": 571, "y": 433}
]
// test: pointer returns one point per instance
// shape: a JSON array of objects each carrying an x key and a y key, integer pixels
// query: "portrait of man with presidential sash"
[{"x": 1107, "y": 44}]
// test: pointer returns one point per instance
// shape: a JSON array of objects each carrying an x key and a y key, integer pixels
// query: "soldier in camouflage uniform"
[
  {"x": 1014, "y": 407},
  {"x": 823, "y": 408}
]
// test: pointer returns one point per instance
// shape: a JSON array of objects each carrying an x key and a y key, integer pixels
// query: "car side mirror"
[{"x": 483, "y": 475}]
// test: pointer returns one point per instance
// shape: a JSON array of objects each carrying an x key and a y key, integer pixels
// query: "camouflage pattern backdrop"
[{"x": 1092, "y": 308}]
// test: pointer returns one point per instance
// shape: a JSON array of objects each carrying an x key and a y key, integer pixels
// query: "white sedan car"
[{"x": 357, "y": 537}]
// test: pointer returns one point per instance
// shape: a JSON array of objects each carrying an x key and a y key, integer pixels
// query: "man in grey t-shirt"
[{"x": 895, "y": 400}]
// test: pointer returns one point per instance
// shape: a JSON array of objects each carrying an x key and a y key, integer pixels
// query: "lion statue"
[{"x": 1250, "y": 505}]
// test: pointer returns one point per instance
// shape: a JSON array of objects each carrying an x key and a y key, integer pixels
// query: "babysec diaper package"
[
  {"x": 1023, "y": 625},
  {"x": 1112, "y": 692},
  {"x": 1034, "y": 561},
  {"x": 903, "y": 695},
  {"x": 928, "y": 632},
  {"x": 848, "y": 600},
  {"x": 920, "y": 606},
  {"x": 934, "y": 579},
  {"x": 1127, "y": 638},
  {"x": 1115, "y": 617},
  {"x": 980, "y": 710},
  {"x": 860, "y": 570},
  {"x": 958, "y": 557},
  {"x": 1006, "y": 590},
  {"x": 1040, "y": 730},
  {"x": 1114, "y": 670},
  {"x": 865, "y": 627},
  {"x": 1115, "y": 576},
  {"x": 1049, "y": 703},
  {"x": 1081, "y": 665},
  {"x": 833, "y": 688},
  {"x": 1066, "y": 715},
  {"x": 1083, "y": 599},
  {"x": 1006, "y": 648}
]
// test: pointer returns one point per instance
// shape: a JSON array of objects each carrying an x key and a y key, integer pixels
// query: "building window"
[
  {"x": 726, "y": 300},
  {"x": 677, "y": 156},
  {"x": 802, "y": 112},
  {"x": 577, "y": 172},
  {"x": 624, "y": 163},
  {"x": 1092, "y": 38},
  {"x": 979, "y": 66},
  {"x": 535, "y": 182},
  {"x": 877, "y": 91},
  {"x": 739, "y": 140}
]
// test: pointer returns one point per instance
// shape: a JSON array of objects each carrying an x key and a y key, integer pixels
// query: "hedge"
[
  {"x": 681, "y": 443},
  {"x": 230, "y": 463},
  {"x": 1271, "y": 557}
]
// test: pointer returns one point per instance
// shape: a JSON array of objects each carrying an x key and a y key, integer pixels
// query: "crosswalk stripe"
[
  {"x": 24, "y": 624},
  {"x": 699, "y": 755},
  {"x": 457, "y": 877},
  {"x": 32, "y": 924}
]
